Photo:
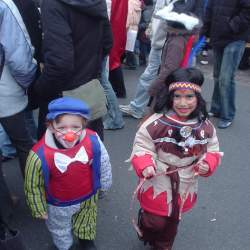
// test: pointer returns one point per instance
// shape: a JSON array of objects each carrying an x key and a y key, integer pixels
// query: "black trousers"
[
  {"x": 117, "y": 81},
  {"x": 16, "y": 128}
]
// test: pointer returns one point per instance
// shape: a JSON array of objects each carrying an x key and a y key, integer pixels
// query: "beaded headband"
[{"x": 185, "y": 85}]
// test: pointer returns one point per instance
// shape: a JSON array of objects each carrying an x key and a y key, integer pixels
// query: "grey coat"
[{"x": 19, "y": 66}]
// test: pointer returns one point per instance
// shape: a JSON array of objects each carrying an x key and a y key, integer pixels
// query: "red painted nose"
[{"x": 70, "y": 137}]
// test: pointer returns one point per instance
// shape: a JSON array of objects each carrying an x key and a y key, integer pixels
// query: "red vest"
[{"x": 79, "y": 181}]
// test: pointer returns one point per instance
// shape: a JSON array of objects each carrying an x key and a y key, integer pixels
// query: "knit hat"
[{"x": 68, "y": 105}]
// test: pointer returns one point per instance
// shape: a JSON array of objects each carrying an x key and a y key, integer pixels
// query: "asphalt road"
[{"x": 219, "y": 221}]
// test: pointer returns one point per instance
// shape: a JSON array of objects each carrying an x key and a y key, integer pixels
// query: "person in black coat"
[
  {"x": 227, "y": 24},
  {"x": 77, "y": 35}
]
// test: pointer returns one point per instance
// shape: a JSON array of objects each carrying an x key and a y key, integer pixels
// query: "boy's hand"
[
  {"x": 44, "y": 216},
  {"x": 148, "y": 172},
  {"x": 202, "y": 168}
]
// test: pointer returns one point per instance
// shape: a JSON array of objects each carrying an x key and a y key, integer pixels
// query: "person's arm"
[
  {"x": 58, "y": 50},
  {"x": 34, "y": 186},
  {"x": 32, "y": 20},
  {"x": 241, "y": 21},
  {"x": 18, "y": 51},
  {"x": 106, "y": 170},
  {"x": 212, "y": 158},
  {"x": 144, "y": 153}
]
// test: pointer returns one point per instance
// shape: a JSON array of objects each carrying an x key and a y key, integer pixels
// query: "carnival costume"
[
  {"x": 64, "y": 183},
  {"x": 167, "y": 143}
]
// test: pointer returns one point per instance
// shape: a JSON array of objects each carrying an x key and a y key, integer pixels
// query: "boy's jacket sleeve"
[{"x": 34, "y": 186}]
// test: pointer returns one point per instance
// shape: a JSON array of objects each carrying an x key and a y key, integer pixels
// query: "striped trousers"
[{"x": 79, "y": 218}]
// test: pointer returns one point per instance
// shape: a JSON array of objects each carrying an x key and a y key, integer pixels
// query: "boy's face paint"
[
  {"x": 68, "y": 130},
  {"x": 184, "y": 102}
]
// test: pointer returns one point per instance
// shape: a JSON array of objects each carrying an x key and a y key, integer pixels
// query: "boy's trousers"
[{"x": 79, "y": 218}]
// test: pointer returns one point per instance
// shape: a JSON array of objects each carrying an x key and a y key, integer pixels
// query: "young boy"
[{"x": 64, "y": 172}]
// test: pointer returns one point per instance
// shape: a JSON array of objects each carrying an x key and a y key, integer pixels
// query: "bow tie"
[{"x": 62, "y": 161}]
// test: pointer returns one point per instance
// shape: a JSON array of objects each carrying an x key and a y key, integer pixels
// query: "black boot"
[{"x": 87, "y": 244}]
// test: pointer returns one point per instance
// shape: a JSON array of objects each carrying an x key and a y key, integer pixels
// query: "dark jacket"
[
  {"x": 76, "y": 36},
  {"x": 226, "y": 21}
]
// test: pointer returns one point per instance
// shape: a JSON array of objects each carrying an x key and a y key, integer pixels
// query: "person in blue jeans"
[
  {"x": 227, "y": 24},
  {"x": 136, "y": 107},
  {"x": 226, "y": 62},
  {"x": 113, "y": 119}
]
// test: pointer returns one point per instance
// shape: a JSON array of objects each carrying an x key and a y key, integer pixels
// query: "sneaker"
[
  {"x": 87, "y": 244},
  {"x": 204, "y": 62},
  {"x": 128, "y": 111},
  {"x": 224, "y": 124}
]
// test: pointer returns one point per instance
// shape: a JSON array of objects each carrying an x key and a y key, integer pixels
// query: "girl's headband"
[{"x": 184, "y": 85}]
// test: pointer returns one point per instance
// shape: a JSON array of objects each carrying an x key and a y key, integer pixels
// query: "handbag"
[
  {"x": 93, "y": 94},
  {"x": 10, "y": 239}
]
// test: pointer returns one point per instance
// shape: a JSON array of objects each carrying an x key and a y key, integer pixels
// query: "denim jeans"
[
  {"x": 141, "y": 98},
  {"x": 16, "y": 128},
  {"x": 5, "y": 145},
  {"x": 7, "y": 148},
  {"x": 226, "y": 62},
  {"x": 113, "y": 119}
]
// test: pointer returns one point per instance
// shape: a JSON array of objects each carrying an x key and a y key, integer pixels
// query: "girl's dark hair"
[{"x": 164, "y": 98}]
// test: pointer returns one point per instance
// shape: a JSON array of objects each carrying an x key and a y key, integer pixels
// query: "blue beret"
[{"x": 67, "y": 105}]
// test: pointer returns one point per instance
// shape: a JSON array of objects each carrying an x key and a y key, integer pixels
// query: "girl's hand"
[
  {"x": 44, "y": 216},
  {"x": 148, "y": 172},
  {"x": 202, "y": 168}
]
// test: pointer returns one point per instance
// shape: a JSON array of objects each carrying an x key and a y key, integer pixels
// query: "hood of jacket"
[{"x": 95, "y": 8}]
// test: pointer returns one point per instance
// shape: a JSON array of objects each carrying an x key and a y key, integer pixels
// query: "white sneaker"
[
  {"x": 127, "y": 110},
  {"x": 204, "y": 62}
]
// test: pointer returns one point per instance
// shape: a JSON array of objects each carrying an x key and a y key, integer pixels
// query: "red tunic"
[{"x": 76, "y": 182}]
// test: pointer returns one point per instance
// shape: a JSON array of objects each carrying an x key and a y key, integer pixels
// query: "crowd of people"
[{"x": 64, "y": 58}]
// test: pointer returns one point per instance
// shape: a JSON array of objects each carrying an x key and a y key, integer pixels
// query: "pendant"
[{"x": 186, "y": 131}]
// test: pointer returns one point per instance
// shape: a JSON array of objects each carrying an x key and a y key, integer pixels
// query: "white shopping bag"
[{"x": 131, "y": 39}]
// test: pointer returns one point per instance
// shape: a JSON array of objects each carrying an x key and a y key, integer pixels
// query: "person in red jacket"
[
  {"x": 172, "y": 147},
  {"x": 118, "y": 19}
]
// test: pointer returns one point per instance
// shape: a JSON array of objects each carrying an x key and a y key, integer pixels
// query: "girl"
[
  {"x": 172, "y": 147},
  {"x": 64, "y": 172}
]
